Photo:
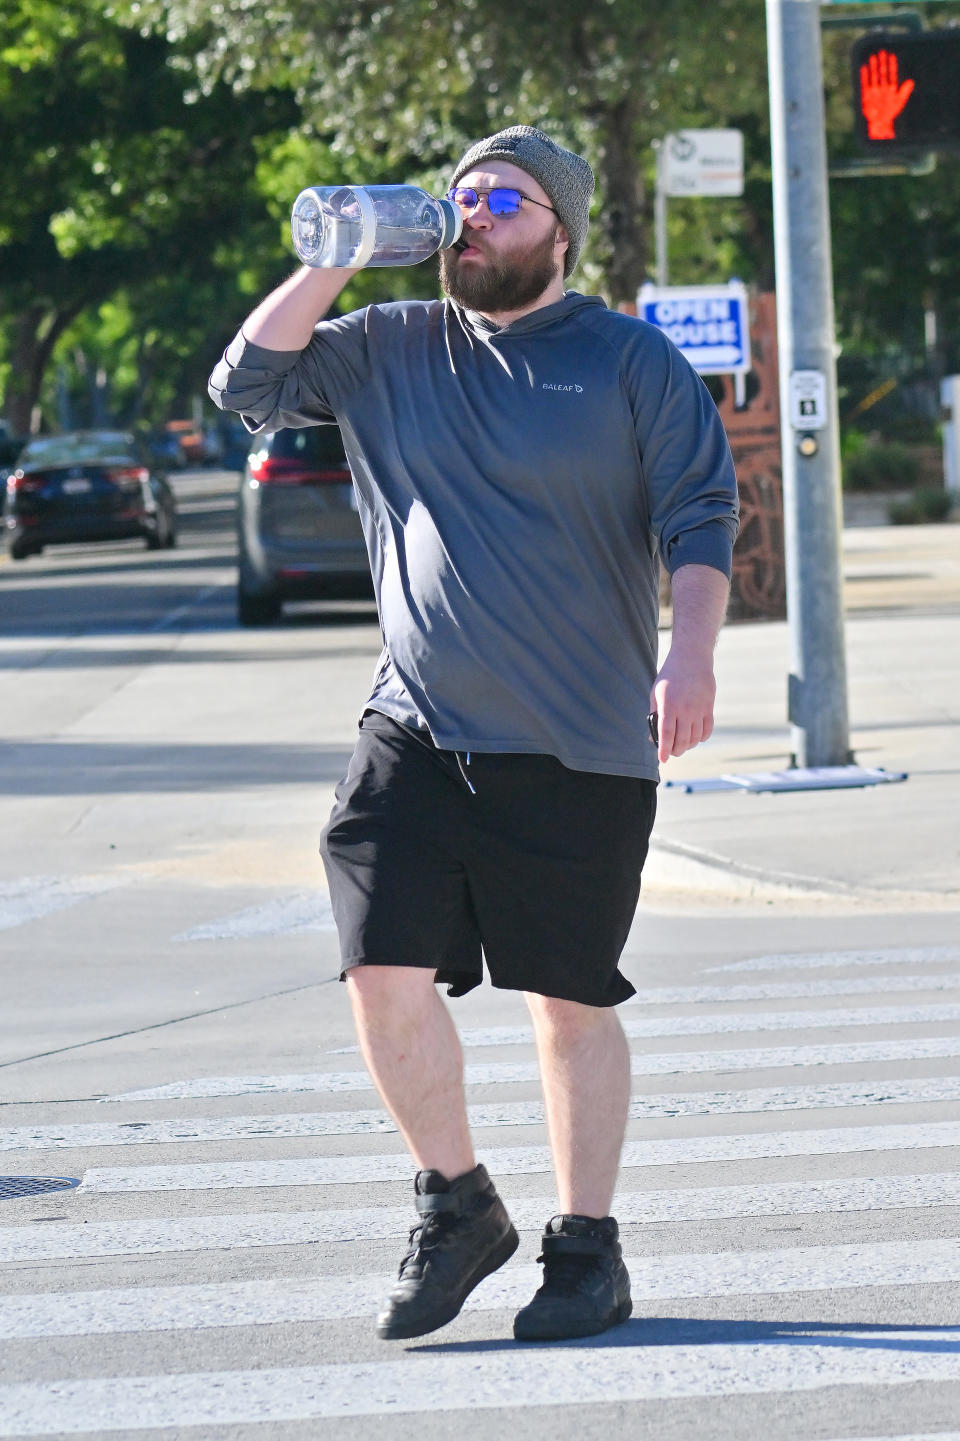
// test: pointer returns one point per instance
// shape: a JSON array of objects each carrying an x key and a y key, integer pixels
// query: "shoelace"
[{"x": 425, "y": 1236}]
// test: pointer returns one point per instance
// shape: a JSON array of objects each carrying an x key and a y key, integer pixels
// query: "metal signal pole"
[{"x": 817, "y": 705}]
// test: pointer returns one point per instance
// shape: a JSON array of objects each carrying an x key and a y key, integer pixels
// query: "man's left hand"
[{"x": 683, "y": 696}]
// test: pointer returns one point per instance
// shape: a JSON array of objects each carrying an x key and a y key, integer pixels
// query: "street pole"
[
  {"x": 660, "y": 217},
  {"x": 810, "y": 431}
]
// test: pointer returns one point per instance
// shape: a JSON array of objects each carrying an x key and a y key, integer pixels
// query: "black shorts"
[{"x": 431, "y": 856}]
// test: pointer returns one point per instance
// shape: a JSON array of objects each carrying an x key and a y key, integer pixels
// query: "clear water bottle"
[{"x": 349, "y": 226}]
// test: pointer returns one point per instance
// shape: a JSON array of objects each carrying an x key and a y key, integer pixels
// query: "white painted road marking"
[
  {"x": 518, "y": 1160},
  {"x": 793, "y": 990},
  {"x": 282, "y": 1300},
  {"x": 816, "y": 960},
  {"x": 506, "y": 1073},
  {"x": 310, "y": 1124},
  {"x": 33, "y": 897},
  {"x": 726, "y": 1025},
  {"x": 292, "y": 916},
  {"x": 68, "y": 1241},
  {"x": 516, "y": 1376}
]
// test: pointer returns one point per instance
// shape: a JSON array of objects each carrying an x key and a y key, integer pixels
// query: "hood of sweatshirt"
[{"x": 540, "y": 319}]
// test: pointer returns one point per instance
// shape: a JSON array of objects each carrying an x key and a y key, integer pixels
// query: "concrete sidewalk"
[{"x": 891, "y": 845}]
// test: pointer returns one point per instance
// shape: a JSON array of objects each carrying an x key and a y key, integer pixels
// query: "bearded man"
[{"x": 524, "y": 459}]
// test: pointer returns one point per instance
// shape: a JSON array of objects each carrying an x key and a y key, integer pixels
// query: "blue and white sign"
[{"x": 709, "y": 323}]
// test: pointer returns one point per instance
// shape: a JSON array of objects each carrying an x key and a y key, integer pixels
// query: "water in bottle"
[{"x": 349, "y": 226}]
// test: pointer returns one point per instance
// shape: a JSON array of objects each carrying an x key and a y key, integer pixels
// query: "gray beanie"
[{"x": 566, "y": 177}]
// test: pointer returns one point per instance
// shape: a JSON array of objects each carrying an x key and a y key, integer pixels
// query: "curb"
[{"x": 677, "y": 868}]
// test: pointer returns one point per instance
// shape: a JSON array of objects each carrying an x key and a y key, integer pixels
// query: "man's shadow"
[{"x": 646, "y": 1331}]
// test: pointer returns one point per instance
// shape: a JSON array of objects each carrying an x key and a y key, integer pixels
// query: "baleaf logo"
[{"x": 555, "y": 385}]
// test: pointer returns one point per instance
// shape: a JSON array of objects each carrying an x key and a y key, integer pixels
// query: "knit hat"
[{"x": 566, "y": 177}]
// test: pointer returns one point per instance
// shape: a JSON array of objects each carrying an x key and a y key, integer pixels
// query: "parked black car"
[
  {"x": 85, "y": 486},
  {"x": 299, "y": 527}
]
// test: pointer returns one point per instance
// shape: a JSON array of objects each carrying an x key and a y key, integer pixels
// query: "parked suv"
[{"x": 299, "y": 528}]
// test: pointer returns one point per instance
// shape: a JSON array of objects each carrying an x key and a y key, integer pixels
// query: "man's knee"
[
  {"x": 570, "y": 1019},
  {"x": 392, "y": 985}
]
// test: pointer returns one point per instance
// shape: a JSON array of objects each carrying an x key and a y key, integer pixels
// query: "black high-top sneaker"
[
  {"x": 586, "y": 1288},
  {"x": 463, "y": 1234}
]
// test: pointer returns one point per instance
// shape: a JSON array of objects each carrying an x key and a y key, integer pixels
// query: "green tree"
[
  {"x": 400, "y": 88},
  {"x": 117, "y": 173}
]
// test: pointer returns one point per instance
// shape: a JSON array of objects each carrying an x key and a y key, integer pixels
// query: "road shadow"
[
  {"x": 77, "y": 657},
  {"x": 646, "y": 1331},
  {"x": 61, "y": 768},
  {"x": 133, "y": 563}
]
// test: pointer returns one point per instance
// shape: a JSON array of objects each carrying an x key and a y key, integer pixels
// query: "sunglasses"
[{"x": 499, "y": 201}]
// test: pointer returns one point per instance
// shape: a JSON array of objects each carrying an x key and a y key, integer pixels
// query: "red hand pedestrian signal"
[
  {"x": 882, "y": 97},
  {"x": 906, "y": 90}
]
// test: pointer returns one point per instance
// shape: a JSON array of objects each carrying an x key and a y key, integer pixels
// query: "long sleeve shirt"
[{"x": 516, "y": 486}]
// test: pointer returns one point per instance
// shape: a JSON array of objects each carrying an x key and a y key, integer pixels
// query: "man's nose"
[{"x": 479, "y": 215}]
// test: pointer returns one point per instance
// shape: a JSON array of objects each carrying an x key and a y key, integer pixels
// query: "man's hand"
[
  {"x": 683, "y": 697},
  {"x": 684, "y": 692},
  {"x": 881, "y": 96}
]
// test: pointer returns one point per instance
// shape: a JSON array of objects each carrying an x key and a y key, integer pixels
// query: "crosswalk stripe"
[
  {"x": 518, "y": 1160},
  {"x": 291, "y": 915},
  {"x": 312, "y": 1124},
  {"x": 33, "y": 897},
  {"x": 504, "y": 1073},
  {"x": 725, "y": 1025},
  {"x": 68, "y": 1241},
  {"x": 513, "y": 1377},
  {"x": 282, "y": 1300},
  {"x": 817, "y": 960},
  {"x": 793, "y": 990}
]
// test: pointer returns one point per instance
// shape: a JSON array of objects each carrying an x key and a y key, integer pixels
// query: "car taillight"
[
  {"x": 128, "y": 476},
  {"x": 272, "y": 470},
  {"x": 23, "y": 484}
]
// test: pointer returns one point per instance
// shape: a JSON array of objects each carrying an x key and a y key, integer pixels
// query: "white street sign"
[
  {"x": 808, "y": 399},
  {"x": 710, "y": 324},
  {"x": 703, "y": 162}
]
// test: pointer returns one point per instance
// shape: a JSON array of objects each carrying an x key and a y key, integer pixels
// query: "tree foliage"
[
  {"x": 115, "y": 177},
  {"x": 401, "y": 88},
  {"x": 153, "y": 149}
]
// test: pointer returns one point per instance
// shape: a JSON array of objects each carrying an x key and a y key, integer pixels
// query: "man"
[{"x": 521, "y": 455}]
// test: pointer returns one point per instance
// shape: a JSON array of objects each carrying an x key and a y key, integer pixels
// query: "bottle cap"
[{"x": 452, "y": 223}]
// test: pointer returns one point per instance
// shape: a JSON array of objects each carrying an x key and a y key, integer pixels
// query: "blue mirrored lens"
[
  {"x": 504, "y": 202},
  {"x": 499, "y": 201}
]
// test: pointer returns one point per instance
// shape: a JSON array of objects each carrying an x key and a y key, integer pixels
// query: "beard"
[{"x": 499, "y": 286}]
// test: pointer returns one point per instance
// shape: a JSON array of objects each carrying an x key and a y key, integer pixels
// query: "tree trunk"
[
  {"x": 36, "y": 333},
  {"x": 621, "y": 220}
]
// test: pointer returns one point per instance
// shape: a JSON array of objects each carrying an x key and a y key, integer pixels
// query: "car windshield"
[{"x": 105, "y": 447}]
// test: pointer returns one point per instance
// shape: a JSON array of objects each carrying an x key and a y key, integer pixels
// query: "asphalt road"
[{"x": 173, "y": 1036}]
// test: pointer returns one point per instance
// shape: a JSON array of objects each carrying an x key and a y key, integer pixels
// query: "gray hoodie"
[{"x": 516, "y": 485}]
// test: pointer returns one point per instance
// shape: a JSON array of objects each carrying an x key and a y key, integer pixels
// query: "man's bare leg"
[
  {"x": 585, "y": 1073},
  {"x": 412, "y": 1051}
]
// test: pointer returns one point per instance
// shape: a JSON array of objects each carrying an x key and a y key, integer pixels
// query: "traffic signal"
[{"x": 906, "y": 89}]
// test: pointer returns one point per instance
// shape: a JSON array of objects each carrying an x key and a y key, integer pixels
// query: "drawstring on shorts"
[{"x": 467, "y": 781}]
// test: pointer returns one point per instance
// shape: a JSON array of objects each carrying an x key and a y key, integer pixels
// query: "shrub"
[
  {"x": 927, "y": 504},
  {"x": 889, "y": 466}
]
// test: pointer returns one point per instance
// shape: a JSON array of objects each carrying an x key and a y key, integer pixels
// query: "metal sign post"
[
  {"x": 693, "y": 162},
  {"x": 817, "y": 705}
]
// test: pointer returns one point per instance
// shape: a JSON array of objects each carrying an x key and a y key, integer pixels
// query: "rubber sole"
[
  {"x": 542, "y": 1330},
  {"x": 399, "y": 1330}
]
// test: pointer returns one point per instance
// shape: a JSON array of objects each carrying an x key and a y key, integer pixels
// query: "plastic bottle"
[{"x": 356, "y": 225}]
